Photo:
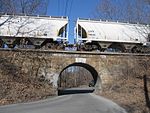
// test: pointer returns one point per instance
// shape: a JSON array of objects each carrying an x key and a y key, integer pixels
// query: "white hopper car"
[
  {"x": 38, "y": 31},
  {"x": 112, "y": 36}
]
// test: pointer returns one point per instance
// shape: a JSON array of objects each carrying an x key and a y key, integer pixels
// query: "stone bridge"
[{"x": 104, "y": 67}]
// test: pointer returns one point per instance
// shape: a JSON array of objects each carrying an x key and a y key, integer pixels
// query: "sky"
[{"x": 73, "y": 9}]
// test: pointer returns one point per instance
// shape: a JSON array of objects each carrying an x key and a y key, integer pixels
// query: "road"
[{"x": 77, "y": 103}]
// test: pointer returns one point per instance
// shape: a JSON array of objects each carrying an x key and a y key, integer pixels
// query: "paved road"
[{"x": 78, "y": 103}]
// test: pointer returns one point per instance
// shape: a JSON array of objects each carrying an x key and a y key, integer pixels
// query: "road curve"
[{"x": 78, "y": 103}]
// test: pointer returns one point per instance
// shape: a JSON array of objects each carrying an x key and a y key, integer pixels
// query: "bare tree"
[
  {"x": 148, "y": 1},
  {"x": 24, "y": 6},
  {"x": 28, "y": 7},
  {"x": 124, "y": 10},
  {"x": 105, "y": 10},
  {"x": 75, "y": 76}
]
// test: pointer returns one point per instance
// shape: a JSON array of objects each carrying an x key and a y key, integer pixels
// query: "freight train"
[
  {"x": 46, "y": 32},
  {"x": 112, "y": 36},
  {"x": 29, "y": 31}
]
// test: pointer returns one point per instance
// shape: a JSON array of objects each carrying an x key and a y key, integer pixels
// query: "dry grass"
[
  {"x": 129, "y": 93},
  {"x": 22, "y": 90},
  {"x": 17, "y": 86}
]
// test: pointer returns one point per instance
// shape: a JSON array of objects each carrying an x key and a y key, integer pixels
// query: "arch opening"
[{"x": 78, "y": 78}]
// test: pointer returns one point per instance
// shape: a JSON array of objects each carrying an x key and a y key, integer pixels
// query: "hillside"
[{"x": 17, "y": 86}]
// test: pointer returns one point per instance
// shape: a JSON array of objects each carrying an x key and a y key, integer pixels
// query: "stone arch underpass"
[
  {"x": 105, "y": 68},
  {"x": 96, "y": 78}
]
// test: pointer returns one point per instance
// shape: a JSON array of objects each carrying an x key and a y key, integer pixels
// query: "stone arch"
[{"x": 91, "y": 69}]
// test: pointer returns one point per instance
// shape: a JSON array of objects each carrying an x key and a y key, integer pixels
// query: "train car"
[
  {"x": 111, "y": 36},
  {"x": 38, "y": 31}
]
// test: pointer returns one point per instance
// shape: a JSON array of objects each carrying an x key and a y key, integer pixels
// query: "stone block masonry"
[{"x": 48, "y": 65}]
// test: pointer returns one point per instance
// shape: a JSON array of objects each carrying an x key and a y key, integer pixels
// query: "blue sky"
[{"x": 73, "y": 9}]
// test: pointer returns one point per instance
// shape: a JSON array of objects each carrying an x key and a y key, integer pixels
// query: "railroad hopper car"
[
  {"x": 112, "y": 36},
  {"x": 33, "y": 31}
]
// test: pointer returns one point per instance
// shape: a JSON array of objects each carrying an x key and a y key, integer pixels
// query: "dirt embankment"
[
  {"x": 129, "y": 92},
  {"x": 17, "y": 86}
]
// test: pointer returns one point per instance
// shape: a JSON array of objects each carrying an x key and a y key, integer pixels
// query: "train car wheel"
[
  {"x": 96, "y": 47},
  {"x": 134, "y": 50},
  {"x": 50, "y": 45},
  {"x": 11, "y": 45},
  {"x": 60, "y": 47},
  {"x": 88, "y": 47}
]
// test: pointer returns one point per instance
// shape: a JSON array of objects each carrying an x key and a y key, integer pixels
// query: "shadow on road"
[{"x": 75, "y": 91}]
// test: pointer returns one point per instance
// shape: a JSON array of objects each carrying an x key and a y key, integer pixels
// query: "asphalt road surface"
[{"x": 77, "y": 103}]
